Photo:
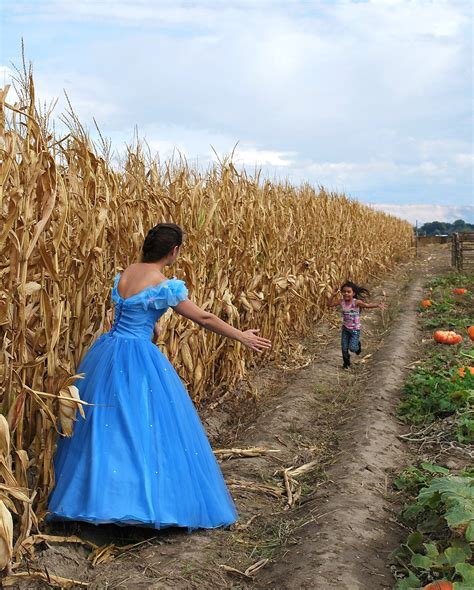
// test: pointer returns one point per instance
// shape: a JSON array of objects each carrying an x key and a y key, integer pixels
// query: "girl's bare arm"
[
  {"x": 365, "y": 305},
  {"x": 332, "y": 301}
]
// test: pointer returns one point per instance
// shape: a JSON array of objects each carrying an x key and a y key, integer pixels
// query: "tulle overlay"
[{"x": 141, "y": 455}]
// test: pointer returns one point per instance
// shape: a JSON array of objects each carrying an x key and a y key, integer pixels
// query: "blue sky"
[{"x": 372, "y": 97}]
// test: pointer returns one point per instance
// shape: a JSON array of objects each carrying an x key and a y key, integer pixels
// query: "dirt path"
[
  {"x": 349, "y": 547},
  {"x": 340, "y": 425}
]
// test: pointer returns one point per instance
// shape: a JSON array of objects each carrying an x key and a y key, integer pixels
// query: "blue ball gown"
[{"x": 141, "y": 456}]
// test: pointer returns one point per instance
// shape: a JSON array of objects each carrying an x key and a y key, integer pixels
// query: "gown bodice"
[{"x": 135, "y": 316}]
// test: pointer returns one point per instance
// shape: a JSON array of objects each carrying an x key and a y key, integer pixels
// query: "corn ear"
[{"x": 68, "y": 408}]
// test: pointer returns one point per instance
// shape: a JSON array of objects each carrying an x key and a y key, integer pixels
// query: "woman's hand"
[
  {"x": 211, "y": 322},
  {"x": 251, "y": 340}
]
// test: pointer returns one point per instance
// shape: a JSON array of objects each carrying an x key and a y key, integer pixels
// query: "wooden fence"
[{"x": 462, "y": 251}]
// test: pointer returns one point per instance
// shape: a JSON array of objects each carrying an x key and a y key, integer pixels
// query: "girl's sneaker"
[{"x": 359, "y": 350}]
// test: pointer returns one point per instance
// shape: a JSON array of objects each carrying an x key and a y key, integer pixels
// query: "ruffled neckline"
[{"x": 139, "y": 295}]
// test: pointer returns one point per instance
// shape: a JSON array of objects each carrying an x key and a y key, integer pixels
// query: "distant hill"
[{"x": 438, "y": 228}]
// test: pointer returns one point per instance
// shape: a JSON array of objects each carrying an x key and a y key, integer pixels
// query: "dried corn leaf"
[
  {"x": 53, "y": 580},
  {"x": 6, "y": 537},
  {"x": 4, "y": 437},
  {"x": 251, "y": 452}
]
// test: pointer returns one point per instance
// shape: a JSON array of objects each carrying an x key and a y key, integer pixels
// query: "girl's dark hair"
[
  {"x": 160, "y": 240},
  {"x": 360, "y": 292}
]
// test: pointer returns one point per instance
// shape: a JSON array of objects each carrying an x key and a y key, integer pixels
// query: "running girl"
[{"x": 351, "y": 302}]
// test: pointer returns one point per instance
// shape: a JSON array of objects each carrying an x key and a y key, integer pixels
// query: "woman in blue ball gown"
[{"x": 141, "y": 456}]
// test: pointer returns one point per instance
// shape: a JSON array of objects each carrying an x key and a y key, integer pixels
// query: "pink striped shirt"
[{"x": 350, "y": 315}]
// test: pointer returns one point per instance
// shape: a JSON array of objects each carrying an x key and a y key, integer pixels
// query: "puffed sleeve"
[{"x": 168, "y": 294}]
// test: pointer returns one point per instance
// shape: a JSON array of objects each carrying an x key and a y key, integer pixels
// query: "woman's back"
[
  {"x": 137, "y": 277},
  {"x": 136, "y": 314}
]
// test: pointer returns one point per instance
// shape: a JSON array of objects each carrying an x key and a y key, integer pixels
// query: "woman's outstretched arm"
[{"x": 211, "y": 322}]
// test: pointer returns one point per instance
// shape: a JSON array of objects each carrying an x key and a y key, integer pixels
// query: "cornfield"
[{"x": 257, "y": 253}]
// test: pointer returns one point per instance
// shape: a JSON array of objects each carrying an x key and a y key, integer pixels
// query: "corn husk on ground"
[{"x": 258, "y": 254}]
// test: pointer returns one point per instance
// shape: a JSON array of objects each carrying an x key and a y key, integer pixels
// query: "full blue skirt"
[{"x": 141, "y": 456}]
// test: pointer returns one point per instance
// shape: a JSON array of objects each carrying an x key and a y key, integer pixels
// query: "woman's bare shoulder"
[
  {"x": 138, "y": 276},
  {"x": 142, "y": 271}
]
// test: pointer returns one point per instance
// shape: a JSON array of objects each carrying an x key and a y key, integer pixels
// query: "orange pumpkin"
[
  {"x": 470, "y": 332},
  {"x": 447, "y": 337},
  {"x": 439, "y": 335},
  {"x": 440, "y": 585},
  {"x": 426, "y": 303},
  {"x": 463, "y": 370},
  {"x": 459, "y": 291}
]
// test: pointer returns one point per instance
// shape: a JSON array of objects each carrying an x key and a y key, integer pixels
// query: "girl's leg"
[
  {"x": 354, "y": 342},
  {"x": 345, "y": 338}
]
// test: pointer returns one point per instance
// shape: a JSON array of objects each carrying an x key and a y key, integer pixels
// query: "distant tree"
[
  {"x": 433, "y": 228},
  {"x": 436, "y": 228}
]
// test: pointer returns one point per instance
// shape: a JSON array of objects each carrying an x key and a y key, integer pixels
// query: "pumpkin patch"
[
  {"x": 437, "y": 402},
  {"x": 447, "y": 337}
]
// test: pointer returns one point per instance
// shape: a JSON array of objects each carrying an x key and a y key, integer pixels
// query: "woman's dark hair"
[
  {"x": 160, "y": 240},
  {"x": 359, "y": 292}
]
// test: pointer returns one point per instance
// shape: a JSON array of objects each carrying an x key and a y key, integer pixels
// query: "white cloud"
[
  {"x": 350, "y": 176},
  {"x": 372, "y": 98},
  {"x": 426, "y": 213},
  {"x": 465, "y": 160},
  {"x": 256, "y": 157},
  {"x": 215, "y": 147}
]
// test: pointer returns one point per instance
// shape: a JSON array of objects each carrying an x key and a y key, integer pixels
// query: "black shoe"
[
  {"x": 346, "y": 365},
  {"x": 359, "y": 350}
]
